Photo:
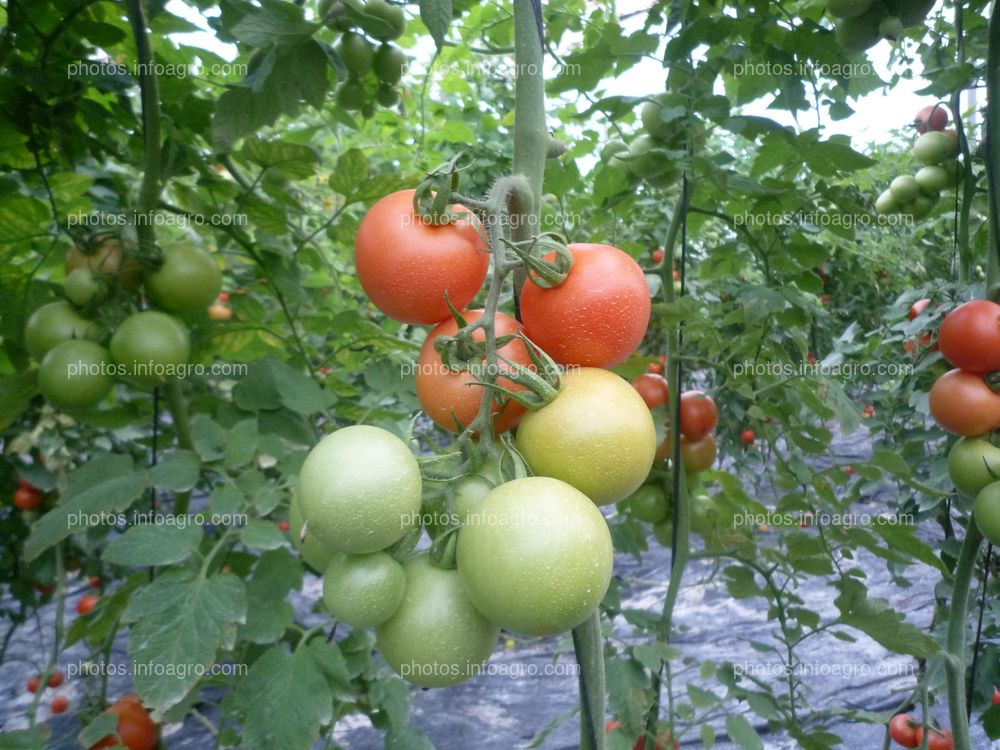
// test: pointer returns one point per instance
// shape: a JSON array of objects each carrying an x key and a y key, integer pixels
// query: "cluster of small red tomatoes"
[
  {"x": 909, "y": 732},
  {"x": 965, "y": 401}
]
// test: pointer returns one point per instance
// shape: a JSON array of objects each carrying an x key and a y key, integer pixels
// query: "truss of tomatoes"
[{"x": 965, "y": 401}]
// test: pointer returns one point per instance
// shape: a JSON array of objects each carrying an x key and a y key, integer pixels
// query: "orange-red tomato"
[
  {"x": 936, "y": 740},
  {"x": 59, "y": 704},
  {"x": 964, "y": 405},
  {"x": 996, "y": 696},
  {"x": 86, "y": 604},
  {"x": 698, "y": 415},
  {"x": 27, "y": 498},
  {"x": 747, "y": 437},
  {"x": 136, "y": 730},
  {"x": 903, "y": 729},
  {"x": 33, "y": 684},
  {"x": 970, "y": 336},
  {"x": 916, "y": 308},
  {"x": 658, "y": 255},
  {"x": 56, "y": 679},
  {"x": 406, "y": 266},
  {"x": 653, "y": 389},
  {"x": 597, "y": 316},
  {"x": 448, "y": 396},
  {"x": 931, "y": 117}
]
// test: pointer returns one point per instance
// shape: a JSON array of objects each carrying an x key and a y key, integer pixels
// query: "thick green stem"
[
  {"x": 957, "y": 627},
  {"x": 993, "y": 151},
  {"x": 589, "y": 646},
  {"x": 182, "y": 428},
  {"x": 149, "y": 192},
  {"x": 531, "y": 135}
]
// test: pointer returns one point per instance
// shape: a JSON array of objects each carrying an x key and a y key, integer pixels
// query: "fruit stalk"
[{"x": 957, "y": 626}]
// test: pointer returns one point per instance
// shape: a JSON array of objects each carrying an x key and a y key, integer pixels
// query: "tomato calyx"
[
  {"x": 443, "y": 550},
  {"x": 542, "y": 272},
  {"x": 433, "y": 197},
  {"x": 542, "y": 379},
  {"x": 992, "y": 381}
]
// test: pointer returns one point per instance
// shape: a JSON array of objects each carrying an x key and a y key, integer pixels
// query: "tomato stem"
[
  {"x": 182, "y": 428},
  {"x": 957, "y": 626},
  {"x": 992, "y": 138}
]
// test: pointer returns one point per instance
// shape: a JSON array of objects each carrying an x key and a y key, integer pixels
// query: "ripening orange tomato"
[
  {"x": 449, "y": 396},
  {"x": 964, "y": 405}
]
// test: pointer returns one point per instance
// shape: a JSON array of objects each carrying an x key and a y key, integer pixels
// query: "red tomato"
[
  {"x": 903, "y": 729},
  {"x": 640, "y": 743},
  {"x": 933, "y": 117},
  {"x": 996, "y": 696},
  {"x": 86, "y": 604},
  {"x": 59, "y": 704},
  {"x": 223, "y": 297},
  {"x": 136, "y": 730},
  {"x": 916, "y": 308},
  {"x": 748, "y": 436},
  {"x": 653, "y": 389},
  {"x": 95, "y": 582},
  {"x": 658, "y": 255},
  {"x": 597, "y": 316},
  {"x": 33, "y": 684},
  {"x": 406, "y": 266},
  {"x": 283, "y": 525},
  {"x": 964, "y": 405},
  {"x": 656, "y": 367},
  {"x": 970, "y": 336},
  {"x": 698, "y": 415},
  {"x": 56, "y": 679},
  {"x": 449, "y": 396},
  {"x": 27, "y": 499},
  {"x": 811, "y": 358},
  {"x": 936, "y": 740}
]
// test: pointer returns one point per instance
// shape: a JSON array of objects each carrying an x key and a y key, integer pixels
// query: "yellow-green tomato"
[
  {"x": 314, "y": 552},
  {"x": 987, "y": 512},
  {"x": 76, "y": 374},
  {"x": 597, "y": 435},
  {"x": 54, "y": 323},
  {"x": 536, "y": 556},
  {"x": 436, "y": 638},
  {"x": 188, "y": 281},
  {"x": 649, "y": 503},
  {"x": 363, "y": 590},
  {"x": 469, "y": 492},
  {"x": 360, "y": 489}
]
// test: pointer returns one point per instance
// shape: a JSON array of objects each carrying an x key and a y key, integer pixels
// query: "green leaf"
[
  {"x": 350, "y": 171},
  {"x": 177, "y": 471},
  {"x": 16, "y": 392},
  {"x": 22, "y": 217},
  {"x": 107, "y": 484},
  {"x": 883, "y": 624},
  {"x": 268, "y": 613},
  {"x": 35, "y": 738},
  {"x": 742, "y": 732},
  {"x": 436, "y": 15},
  {"x": 105, "y": 724},
  {"x": 285, "y": 698},
  {"x": 179, "y": 622},
  {"x": 278, "y": 24},
  {"x": 271, "y": 384},
  {"x": 260, "y": 534},
  {"x": 154, "y": 544}
]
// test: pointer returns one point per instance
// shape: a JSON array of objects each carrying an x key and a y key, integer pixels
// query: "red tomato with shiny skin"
[
  {"x": 963, "y": 404},
  {"x": 747, "y": 437},
  {"x": 406, "y": 265},
  {"x": 449, "y": 396},
  {"x": 698, "y": 415},
  {"x": 903, "y": 729},
  {"x": 653, "y": 389},
  {"x": 969, "y": 337},
  {"x": 936, "y": 740},
  {"x": 597, "y": 316},
  {"x": 916, "y": 308},
  {"x": 658, "y": 255}
]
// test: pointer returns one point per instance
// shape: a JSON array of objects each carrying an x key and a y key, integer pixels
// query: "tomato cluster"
[
  {"x": 369, "y": 68},
  {"x": 935, "y": 150},
  {"x": 907, "y": 731},
  {"x": 77, "y": 370}
]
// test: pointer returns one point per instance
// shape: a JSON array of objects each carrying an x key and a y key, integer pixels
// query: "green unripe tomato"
[
  {"x": 987, "y": 512},
  {"x": 351, "y": 95},
  {"x": 652, "y": 122},
  {"x": 188, "y": 281},
  {"x": 933, "y": 147},
  {"x": 891, "y": 27},
  {"x": 705, "y": 514},
  {"x": 536, "y": 557},
  {"x": 645, "y": 159},
  {"x": 612, "y": 151},
  {"x": 910, "y": 12},
  {"x": 357, "y": 53},
  {"x": 920, "y": 208},
  {"x": 382, "y": 20},
  {"x": 973, "y": 463},
  {"x": 932, "y": 180},
  {"x": 315, "y": 553},
  {"x": 390, "y": 61},
  {"x": 387, "y": 96},
  {"x": 663, "y": 532},
  {"x": 649, "y": 503},
  {"x": 469, "y": 493},
  {"x": 83, "y": 286},
  {"x": 860, "y": 33},
  {"x": 76, "y": 374},
  {"x": 436, "y": 638},
  {"x": 359, "y": 489},
  {"x": 54, "y": 323},
  {"x": 904, "y": 189},
  {"x": 886, "y": 203},
  {"x": 151, "y": 346},
  {"x": 848, "y": 8},
  {"x": 363, "y": 590}
]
